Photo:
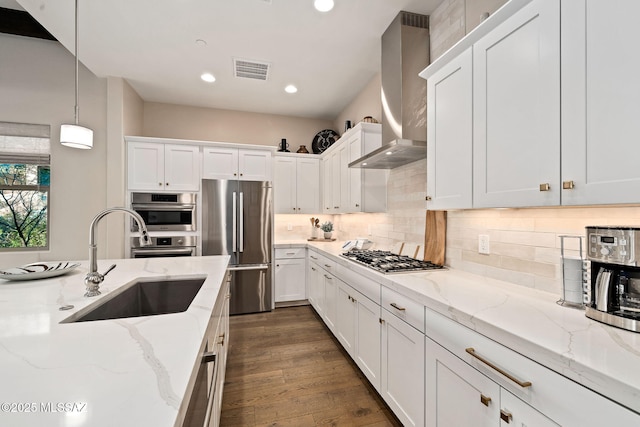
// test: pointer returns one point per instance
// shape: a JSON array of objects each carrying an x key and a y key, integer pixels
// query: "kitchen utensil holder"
[{"x": 574, "y": 272}]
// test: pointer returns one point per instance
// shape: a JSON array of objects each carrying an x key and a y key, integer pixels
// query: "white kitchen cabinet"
[
  {"x": 205, "y": 402},
  {"x": 600, "y": 92},
  {"x": 346, "y": 189},
  {"x": 514, "y": 411},
  {"x": 155, "y": 166},
  {"x": 358, "y": 330},
  {"x": 450, "y": 135},
  {"x": 367, "y": 187},
  {"x": 327, "y": 185},
  {"x": 296, "y": 184},
  {"x": 330, "y": 307},
  {"x": 315, "y": 283},
  {"x": 402, "y": 361},
  {"x": 516, "y": 112},
  {"x": 463, "y": 363},
  {"x": 344, "y": 178},
  {"x": 346, "y": 317},
  {"x": 236, "y": 163},
  {"x": 290, "y": 275},
  {"x": 336, "y": 182},
  {"x": 457, "y": 394}
]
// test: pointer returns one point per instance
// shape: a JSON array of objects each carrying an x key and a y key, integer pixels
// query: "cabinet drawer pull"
[
  {"x": 485, "y": 400},
  {"x": 505, "y": 416},
  {"x": 291, "y": 253},
  {"x": 208, "y": 357},
  {"x": 312, "y": 257},
  {"x": 545, "y": 187},
  {"x": 568, "y": 185},
  {"x": 327, "y": 265},
  {"x": 523, "y": 384},
  {"x": 221, "y": 339},
  {"x": 328, "y": 277},
  {"x": 313, "y": 269},
  {"x": 428, "y": 198},
  {"x": 397, "y": 307}
]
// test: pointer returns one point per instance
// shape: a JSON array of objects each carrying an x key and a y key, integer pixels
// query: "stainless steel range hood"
[{"x": 405, "y": 53}]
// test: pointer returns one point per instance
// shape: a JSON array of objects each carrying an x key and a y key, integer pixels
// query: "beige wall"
[
  {"x": 37, "y": 86},
  {"x": 208, "y": 124},
  {"x": 367, "y": 103}
]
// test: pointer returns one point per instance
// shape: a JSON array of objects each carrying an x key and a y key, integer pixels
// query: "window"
[{"x": 24, "y": 186}]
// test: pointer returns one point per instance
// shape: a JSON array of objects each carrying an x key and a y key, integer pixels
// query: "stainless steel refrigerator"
[{"x": 237, "y": 220}]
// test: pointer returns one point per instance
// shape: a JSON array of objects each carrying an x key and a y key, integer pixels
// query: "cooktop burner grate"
[{"x": 388, "y": 262}]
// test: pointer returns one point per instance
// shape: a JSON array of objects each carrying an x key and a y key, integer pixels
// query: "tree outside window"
[{"x": 24, "y": 186}]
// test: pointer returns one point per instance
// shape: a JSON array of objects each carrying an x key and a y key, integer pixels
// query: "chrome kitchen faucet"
[{"x": 93, "y": 279}]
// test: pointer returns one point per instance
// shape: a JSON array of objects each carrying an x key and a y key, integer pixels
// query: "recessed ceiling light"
[
  {"x": 208, "y": 77},
  {"x": 291, "y": 89},
  {"x": 389, "y": 153},
  {"x": 364, "y": 164},
  {"x": 323, "y": 5}
]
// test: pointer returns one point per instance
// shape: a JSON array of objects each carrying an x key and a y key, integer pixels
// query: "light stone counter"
[
  {"x": 600, "y": 357},
  {"x": 125, "y": 372}
]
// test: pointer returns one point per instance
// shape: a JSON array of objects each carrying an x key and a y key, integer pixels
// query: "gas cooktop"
[{"x": 388, "y": 262}]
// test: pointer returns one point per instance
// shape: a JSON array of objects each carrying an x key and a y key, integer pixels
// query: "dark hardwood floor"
[{"x": 285, "y": 368}]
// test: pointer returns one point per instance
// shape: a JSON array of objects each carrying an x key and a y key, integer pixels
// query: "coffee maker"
[{"x": 614, "y": 253}]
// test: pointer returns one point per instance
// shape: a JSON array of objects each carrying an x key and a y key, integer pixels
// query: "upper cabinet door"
[
  {"x": 450, "y": 135},
  {"x": 220, "y": 163},
  {"x": 284, "y": 185},
  {"x": 145, "y": 166},
  {"x": 600, "y": 93},
  {"x": 254, "y": 165},
  {"x": 308, "y": 185},
  {"x": 181, "y": 167},
  {"x": 516, "y": 88}
]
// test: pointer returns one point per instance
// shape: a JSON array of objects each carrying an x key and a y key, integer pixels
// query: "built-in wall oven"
[
  {"x": 164, "y": 246},
  {"x": 165, "y": 211}
]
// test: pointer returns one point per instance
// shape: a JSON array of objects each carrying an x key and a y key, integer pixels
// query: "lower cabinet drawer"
[
  {"x": 282, "y": 253},
  {"x": 560, "y": 399},
  {"x": 404, "y": 308}
]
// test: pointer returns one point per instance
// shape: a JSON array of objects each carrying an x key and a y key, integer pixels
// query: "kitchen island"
[
  {"x": 133, "y": 371},
  {"x": 527, "y": 321}
]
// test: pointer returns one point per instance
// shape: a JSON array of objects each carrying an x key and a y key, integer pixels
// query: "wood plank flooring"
[{"x": 285, "y": 368}]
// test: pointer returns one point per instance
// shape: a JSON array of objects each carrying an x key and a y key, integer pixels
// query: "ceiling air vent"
[{"x": 250, "y": 69}]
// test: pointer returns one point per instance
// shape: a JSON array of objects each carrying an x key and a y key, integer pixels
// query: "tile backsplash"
[{"x": 524, "y": 243}]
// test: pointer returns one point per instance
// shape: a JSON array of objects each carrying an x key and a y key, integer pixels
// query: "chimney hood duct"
[{"x": 405, "y": 53}]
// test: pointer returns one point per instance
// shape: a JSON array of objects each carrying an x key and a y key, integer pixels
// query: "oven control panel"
[{"x": 614, "y": 245}]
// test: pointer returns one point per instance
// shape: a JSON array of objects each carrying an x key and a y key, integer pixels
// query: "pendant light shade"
[{"x": 76, "y": 136}]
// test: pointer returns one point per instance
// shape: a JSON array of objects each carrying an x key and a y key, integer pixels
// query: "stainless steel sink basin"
[{"x": 143, "y": 297}]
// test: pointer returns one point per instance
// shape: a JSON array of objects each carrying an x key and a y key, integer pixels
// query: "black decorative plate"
[{"x": 323, "y": 140}]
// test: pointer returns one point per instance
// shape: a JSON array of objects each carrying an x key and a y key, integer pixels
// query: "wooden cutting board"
[{"x": 435, "y": 232}]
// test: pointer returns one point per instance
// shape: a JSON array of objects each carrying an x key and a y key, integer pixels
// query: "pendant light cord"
[{"x": 76, "y": 109}]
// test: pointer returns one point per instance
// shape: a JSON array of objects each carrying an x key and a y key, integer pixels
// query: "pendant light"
[{"x": 76, "y": 136}]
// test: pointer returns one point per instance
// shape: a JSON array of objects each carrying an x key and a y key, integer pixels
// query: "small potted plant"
[{"x": 327, "y": 227}]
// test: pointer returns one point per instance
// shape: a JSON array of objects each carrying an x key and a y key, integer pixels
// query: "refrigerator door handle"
[
  {"x": 234, "y": 226},
  {"x": 248, "y": 267},
  {"x": 241, "y": 238}
]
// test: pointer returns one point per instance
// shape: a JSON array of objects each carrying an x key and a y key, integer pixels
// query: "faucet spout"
[{"x": 93, "y": 279}]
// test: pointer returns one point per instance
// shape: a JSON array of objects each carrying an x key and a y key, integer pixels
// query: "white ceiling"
[{"x": 152, "y": 44}]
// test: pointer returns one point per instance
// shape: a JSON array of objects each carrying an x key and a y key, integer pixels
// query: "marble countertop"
[
  {"x": 528, "y": 321},
  {"x": 120, "y": 372}
]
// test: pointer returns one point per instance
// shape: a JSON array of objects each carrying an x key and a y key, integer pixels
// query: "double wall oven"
[{"x": 173, "y": 215}]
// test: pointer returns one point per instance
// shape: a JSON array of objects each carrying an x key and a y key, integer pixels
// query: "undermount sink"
[{"x": 143, "y": 297}]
